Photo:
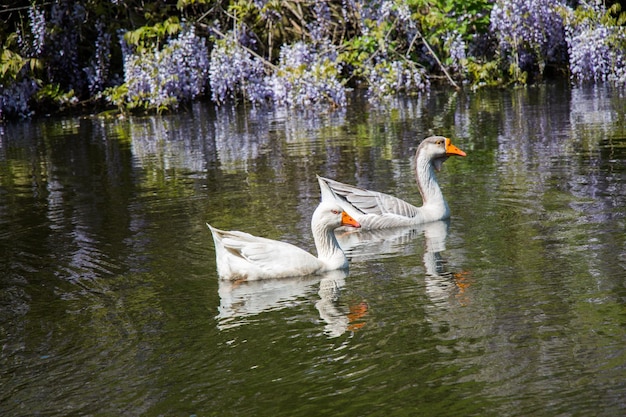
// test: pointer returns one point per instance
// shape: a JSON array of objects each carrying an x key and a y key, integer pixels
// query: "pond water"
[{"x": 110, "y": 302}]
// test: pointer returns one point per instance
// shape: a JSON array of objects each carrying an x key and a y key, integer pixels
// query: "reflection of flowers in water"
[
  {"x": 243, "y": 136},
  {"x": 592, "y": 107},
  {"x": 536, "y": 141},
  {"x": 168, "y": 142},
  {"x": 235, "y": 136},
  {"x": 532, "y": 140},
  {"x": 538, "y": 149},
  {"x": 240, "y": 137}
]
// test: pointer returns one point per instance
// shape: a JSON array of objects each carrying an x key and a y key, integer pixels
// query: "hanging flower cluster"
[{"x": 163, "y": 78}]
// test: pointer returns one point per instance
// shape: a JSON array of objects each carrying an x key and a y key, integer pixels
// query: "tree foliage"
[{"x": 155, "y": 55}]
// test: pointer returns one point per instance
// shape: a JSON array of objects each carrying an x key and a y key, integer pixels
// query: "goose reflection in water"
[
  {"x": 364, "y": 245},
  {"x": 240, "y": 301},
  {"x": 441, "y": 283},
  {"x": 338, "y": 321}
]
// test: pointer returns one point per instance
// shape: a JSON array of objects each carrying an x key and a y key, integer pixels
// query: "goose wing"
[
  {"x": 258, "y": 257},
  {"x": 364, "y": 201}
]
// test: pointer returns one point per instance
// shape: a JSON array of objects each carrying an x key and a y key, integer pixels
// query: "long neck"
[
  {"x": 328, "y": 250},
  {"x": 427, "y": 182}
]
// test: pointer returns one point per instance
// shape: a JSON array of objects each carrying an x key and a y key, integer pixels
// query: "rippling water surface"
[{"x": 110, "y": 303}]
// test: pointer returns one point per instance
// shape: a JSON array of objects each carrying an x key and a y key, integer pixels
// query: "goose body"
[
  {"x": 376, "y": 210},
  {"x": 240, "y": 255}
]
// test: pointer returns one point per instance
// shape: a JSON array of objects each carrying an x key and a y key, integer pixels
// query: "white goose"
[
  {"x": 375, "y": 210},
  {"x": 241, "y": 255}
]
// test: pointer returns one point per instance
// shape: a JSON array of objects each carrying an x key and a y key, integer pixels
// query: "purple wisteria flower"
[
  {"x": 98, "y": 70},
  {"x": 234, "y": 72},
  {"x": 62, "y": 46},
  {"x": 387, "y": 79},
  {"x": 37, "y": 19},
  {"x": 597, "y": 52},
  {"x": 164, "y": 78},
  {"x": 14, "y": 99},
  {"x": 530, "y": 32},
  {"x": 308, "y": 75},
  {"x": 457, "y": 48}
]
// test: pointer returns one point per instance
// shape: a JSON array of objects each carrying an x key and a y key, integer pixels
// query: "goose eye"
[
  {"x": 335, "y": 211},
  {"x": 439, "y": 142}
]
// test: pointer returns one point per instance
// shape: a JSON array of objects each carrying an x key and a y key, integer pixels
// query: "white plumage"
[{"x": 240, "y": 255}]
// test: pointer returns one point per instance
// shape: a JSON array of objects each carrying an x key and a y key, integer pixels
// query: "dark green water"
[{"x": 110, "y": 303}]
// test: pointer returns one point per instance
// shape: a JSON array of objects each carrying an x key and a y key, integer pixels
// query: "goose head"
[
  {"x": 437, "y": 149},
  {"x": 330, "y": 216}
]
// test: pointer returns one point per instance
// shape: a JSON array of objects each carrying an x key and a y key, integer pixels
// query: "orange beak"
[
  {"x": 453, "y": 150},
  {"x": 347, "y": 220}
]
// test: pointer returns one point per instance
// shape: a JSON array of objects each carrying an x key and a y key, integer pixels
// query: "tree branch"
[{"x": 443, "y": 68}]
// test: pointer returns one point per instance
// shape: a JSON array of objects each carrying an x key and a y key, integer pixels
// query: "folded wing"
[
  {"x": 364, "y": 202},
  {"x": 258, "y": 257}
]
